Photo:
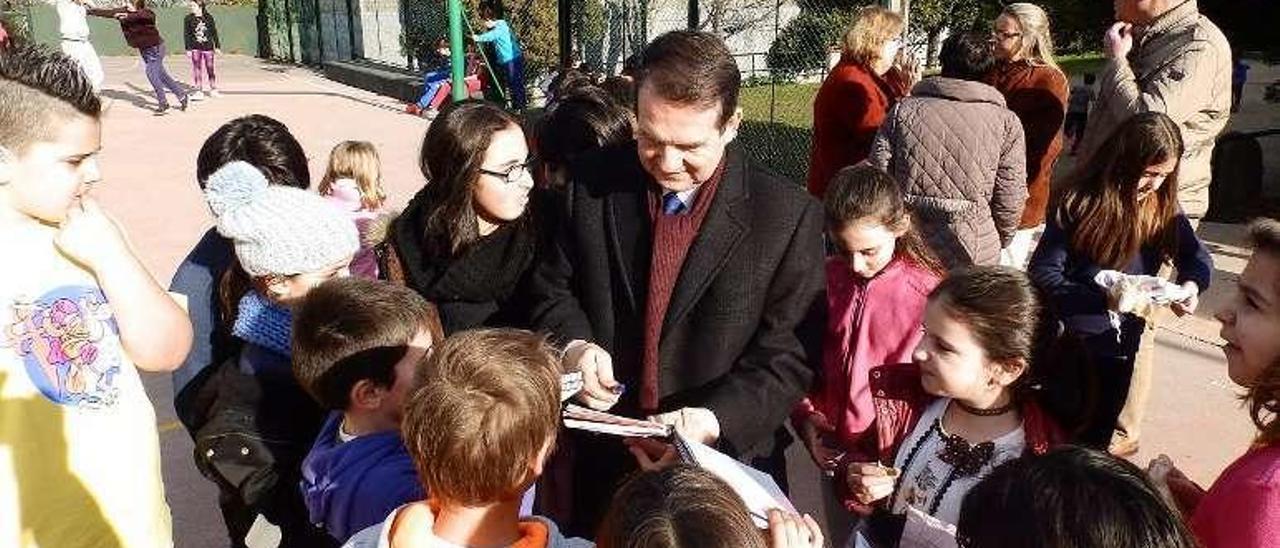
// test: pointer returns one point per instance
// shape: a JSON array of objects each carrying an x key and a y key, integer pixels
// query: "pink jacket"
[
  {"x": 345, "y": 195},
  {"x": 1242, "y": 509},
  {"x": 869, "y": 323}
]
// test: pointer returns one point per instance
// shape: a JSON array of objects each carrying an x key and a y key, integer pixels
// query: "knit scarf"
[
  {"x": 263, "y": 323},
  {"x": 488, "y": 271}
]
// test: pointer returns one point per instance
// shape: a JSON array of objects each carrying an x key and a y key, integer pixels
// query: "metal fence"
[
  {"x": 15, "y": 15},
  {"x": 782, "y": 46}
]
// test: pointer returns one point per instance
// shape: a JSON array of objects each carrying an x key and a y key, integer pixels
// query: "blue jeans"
[
  {"x": 515, "y": 81},
  {"x": 431, "y": 83},
  {"x": 153, "y": 59}
]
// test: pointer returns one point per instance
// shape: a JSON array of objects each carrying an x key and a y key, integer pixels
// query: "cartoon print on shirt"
[
  {"x": 67, "y": 340},
  {"x": 201, "y": 31}
]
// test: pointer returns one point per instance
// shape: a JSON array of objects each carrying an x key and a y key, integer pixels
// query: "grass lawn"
[
  {"x": 794, "y": 105},
  {"x": 1078, "y": 65},
  {"x": 777, "y": 126},
  {"x": 780, "y": 141}
]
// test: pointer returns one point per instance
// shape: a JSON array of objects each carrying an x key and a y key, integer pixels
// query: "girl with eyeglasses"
[{"x": 467, "y": 239}]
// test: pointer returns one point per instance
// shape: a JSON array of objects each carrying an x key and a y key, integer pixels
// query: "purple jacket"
[{"x": 350, "y": 486}]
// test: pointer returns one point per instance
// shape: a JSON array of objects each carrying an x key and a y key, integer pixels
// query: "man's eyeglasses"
[{"x": 514, "y": 173}]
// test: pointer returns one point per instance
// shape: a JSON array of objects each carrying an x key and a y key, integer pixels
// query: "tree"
[
  {"x": 802, "y": 45},
  {"x": 931, "y": 19}
]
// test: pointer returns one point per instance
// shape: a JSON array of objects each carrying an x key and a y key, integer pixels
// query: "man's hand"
[
  {"x": 693, "y": 423},
  {"x": 788, "y": 530},
  {"x": 652, "y": 454},
  {"x": 90, "y": 237},
  {"x": 1119, "y": 41},
  {"x": 599, "y": 390}
]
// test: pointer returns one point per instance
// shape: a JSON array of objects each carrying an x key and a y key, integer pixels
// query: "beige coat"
[
  {"x": 1180, "y": 65},
  {"x": 960, "y": 157}
]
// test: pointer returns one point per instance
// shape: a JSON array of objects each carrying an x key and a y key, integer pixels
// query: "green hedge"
[{"x": 237, "y": 29}]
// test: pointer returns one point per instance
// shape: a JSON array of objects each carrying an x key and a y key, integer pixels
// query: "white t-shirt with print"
[
  {"x": 79, "y": 451},
  {"x": 919, "y": 486}
]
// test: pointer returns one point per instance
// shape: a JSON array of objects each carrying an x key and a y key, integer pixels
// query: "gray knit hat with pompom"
[{"x": 277, "y": 229}]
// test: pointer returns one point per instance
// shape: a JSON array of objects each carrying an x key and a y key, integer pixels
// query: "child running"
[
  {"x": 79, "y": 317},
  {"x": 353, "y": 184},
  {"x": 877, "y": 284}
]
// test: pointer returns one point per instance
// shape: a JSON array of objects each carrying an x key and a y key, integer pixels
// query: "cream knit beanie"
[{"x": 277, "y": 229}]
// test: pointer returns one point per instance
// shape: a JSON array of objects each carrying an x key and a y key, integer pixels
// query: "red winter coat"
[
  {"x": 1038, "y": 95},
  {"x": 849, "y": 108},
  {"x": 900, "y": 400}
]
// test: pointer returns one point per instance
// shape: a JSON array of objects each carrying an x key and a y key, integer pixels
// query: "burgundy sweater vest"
[{"x": 673, "y": 235}]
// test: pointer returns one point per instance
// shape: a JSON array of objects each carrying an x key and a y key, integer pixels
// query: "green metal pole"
[{"x": 457, "y": 52}]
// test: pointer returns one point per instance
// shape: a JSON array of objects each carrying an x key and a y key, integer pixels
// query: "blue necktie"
[{"x": 672, "y": 204}]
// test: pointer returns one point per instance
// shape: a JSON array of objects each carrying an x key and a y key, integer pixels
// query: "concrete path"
[
  {"x": 149, "y": 165},
  {"x": 149, "y": 185}
]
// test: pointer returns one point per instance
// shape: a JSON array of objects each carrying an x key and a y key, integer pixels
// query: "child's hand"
[
  {"x": 869, "y": 481},
  {"x": 788, "y": 530},
  {"x": 89, "y": 236},
  {"x": 1187, "y": 307},
  {"x": 652, "y": 454},
  {"x": 811, "y": 432}
]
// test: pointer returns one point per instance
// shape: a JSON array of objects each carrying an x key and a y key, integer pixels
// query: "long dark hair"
[
  {"x": 863, "y": 192},
  {"x": 1101, "y": 203},
  {"x": 452, "y": 154}
]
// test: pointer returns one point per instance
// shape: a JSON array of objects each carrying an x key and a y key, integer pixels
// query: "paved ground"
[{"x": 149, "y": 164}]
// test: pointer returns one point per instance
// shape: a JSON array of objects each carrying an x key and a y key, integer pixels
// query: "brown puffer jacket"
[{"x": 959, "y": 155}]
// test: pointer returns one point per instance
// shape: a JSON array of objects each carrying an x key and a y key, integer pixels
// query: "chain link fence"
[
  {"x": 783, "y": 47},
  {"x": 15, "y": 15}
]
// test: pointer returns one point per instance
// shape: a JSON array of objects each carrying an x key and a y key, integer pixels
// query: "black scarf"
[{"x": 471, "y": 287}]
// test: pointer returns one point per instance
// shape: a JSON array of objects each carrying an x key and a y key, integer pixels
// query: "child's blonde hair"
[{"x": 356, "y": 160}]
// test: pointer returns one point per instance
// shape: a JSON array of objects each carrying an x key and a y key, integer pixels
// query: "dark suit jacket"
[{"x": 742, "y": 334}]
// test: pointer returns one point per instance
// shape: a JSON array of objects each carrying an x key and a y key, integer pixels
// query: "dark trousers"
[
  {"x": 1112, "y": 361},
  {"x": 513, "y": 74}
]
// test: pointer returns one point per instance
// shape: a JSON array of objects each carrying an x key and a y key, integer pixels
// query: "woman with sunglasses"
[
  {"x": 853, "y": 100},
  {"x": 467, "y": 239},
  {"x": 1035, "y": 89}
]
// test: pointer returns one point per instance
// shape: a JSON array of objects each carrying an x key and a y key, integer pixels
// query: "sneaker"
[
  {"x": 186, "y": 100},
  {"x": 214, "y": 93},
  {"x": 413, "y": 108},
  {"x": 161, "y": 111},
  {"x": 196, "y": 95}
]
